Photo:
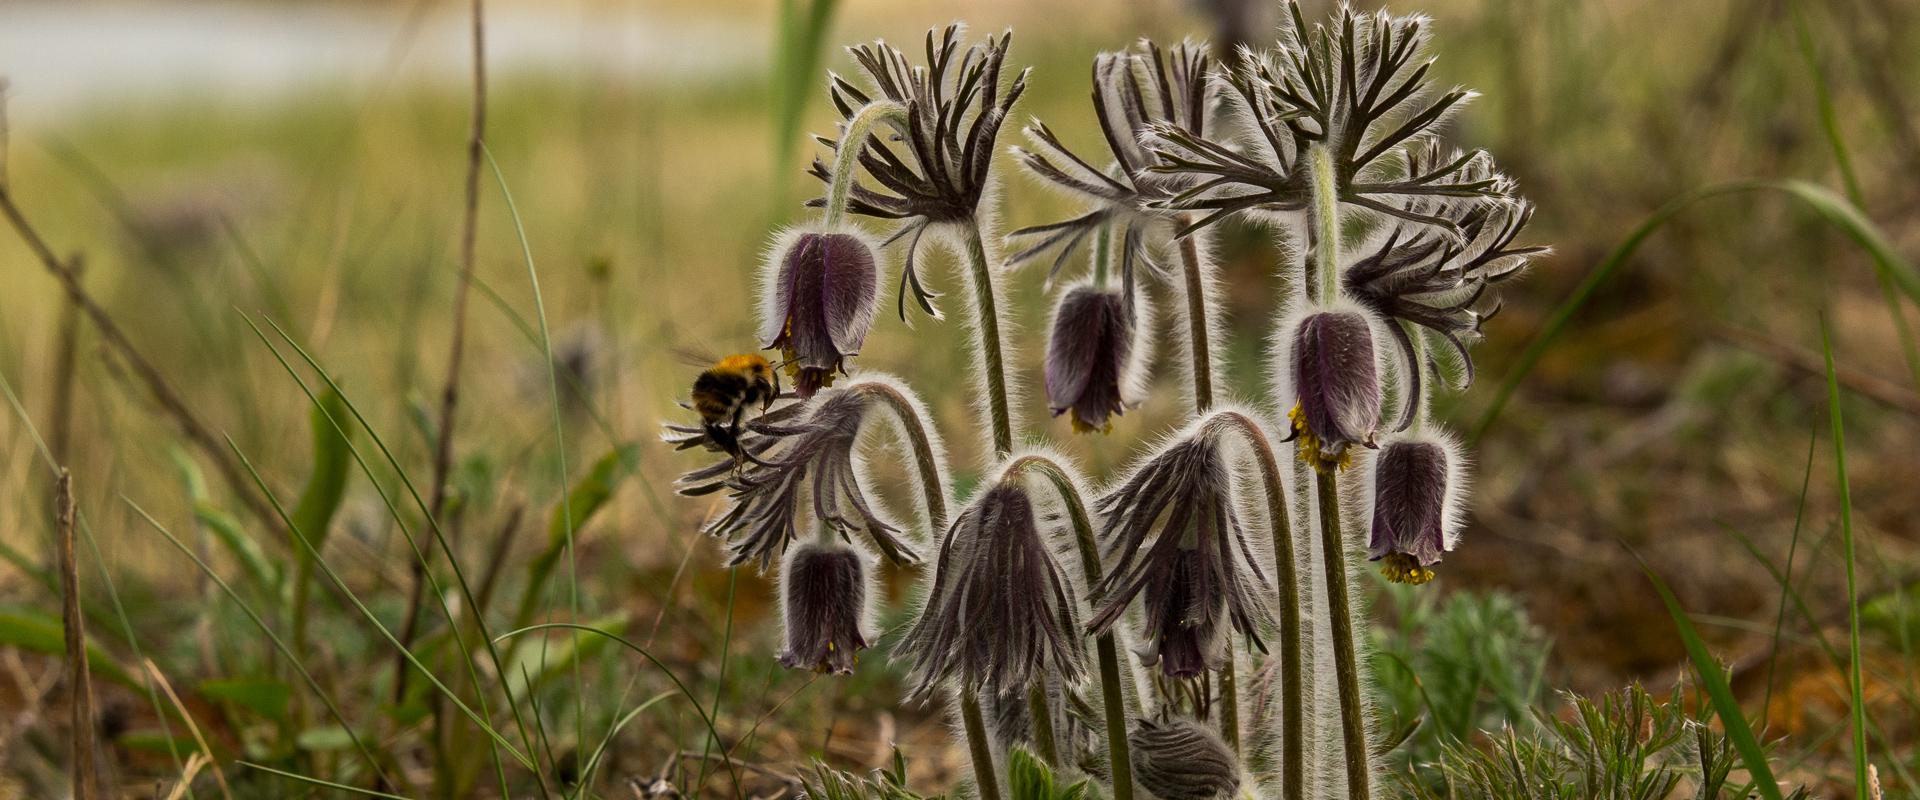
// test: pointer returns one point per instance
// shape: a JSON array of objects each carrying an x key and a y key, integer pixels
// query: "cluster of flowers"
[{"x": 1330, "y": 139}]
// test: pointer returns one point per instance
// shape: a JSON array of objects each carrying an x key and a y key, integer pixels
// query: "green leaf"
[
  {"x": 332, "y": 457},
  {"x": 264, "y": 696},
  {"x": 156, "y": 741},
  {"x": 1714, "y": 681},
  {"x": 262, "y": 571},
  {"x": 1855, "y": 684},
  {"x": 40, "y": 632},
  {"x": 592, "y": 492},
  {"x": 324, "y": 738}
]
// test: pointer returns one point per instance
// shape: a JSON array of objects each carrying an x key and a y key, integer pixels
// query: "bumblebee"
[{"x": 722, "y": 394}]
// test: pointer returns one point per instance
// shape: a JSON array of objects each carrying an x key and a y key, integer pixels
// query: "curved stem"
[
  {"x": 1353, "y": 724},
  {"x": 1119, "y": 758},
  {"x": 1042, "y": 714},
  {"x": 926, "y": 461},
  {"x": 1199, "y": 344},
  {"x": 1293, "y": 726},
  {"x": 992, "y": 363},
  {"x": 982, "y": 755},
  {"x": 853, "y": 142}
]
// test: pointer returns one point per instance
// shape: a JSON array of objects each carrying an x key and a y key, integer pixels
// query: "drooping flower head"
[
  {"x": 1182, "y": 760},
  {"x": 1358, "y": 88},
  {"x": 1134, "y": 92},
  {"x": 1417, "y": 482},
  {"x": 1000, "y": 614},
  {"x": 955, "y": 105},
  {"x": 1172, "y": 535},
  {"x": 802, "y": 467},
  {"x": 817, "y": 303},
  {"x": 1334, "y": 378},
  {"x": 823, "y": 602},
  {"x": 1095, "y": 363}
]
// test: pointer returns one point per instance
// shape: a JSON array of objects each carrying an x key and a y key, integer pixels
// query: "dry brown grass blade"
[
  {"x": 78, "y": 675},
  {"x": 196, "y": 762},
  {"x": 199, "y": 739},
  {"x": 450, "y": 391},
  {"x": 1874, "y": 387}
]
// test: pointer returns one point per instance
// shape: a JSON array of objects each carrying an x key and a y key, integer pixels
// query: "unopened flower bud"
[
  {"x": 823, "y": 595},
  {"x": 1182, "y": 760}
]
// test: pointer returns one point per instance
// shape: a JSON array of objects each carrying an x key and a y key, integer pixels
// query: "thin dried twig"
[
  {"x": 450, "y": 391},
  {"x": 1873, "y": 387},
  {"x": 75, "y": 626},
  {"x": 60, "y": 433}
]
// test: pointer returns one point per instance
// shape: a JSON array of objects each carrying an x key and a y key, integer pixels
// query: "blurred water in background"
[{"x": 62, "y": 57}]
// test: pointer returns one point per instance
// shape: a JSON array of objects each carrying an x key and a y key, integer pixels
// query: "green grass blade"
[
  {"x": 261, "y": 571},
  {"x": 803, "y": 38},
  {"x": 593, "y": 761},
  {"x": 280, "y": 645},
  {"x": 1829, "y": 206},
  {"x": 1714, "y": 682},
  {"x": 1855, "y": 685},
  {"x": 327, "y": 484},
  {"x": 39, "y": 632},
  {"x": 311, "y": 781}
]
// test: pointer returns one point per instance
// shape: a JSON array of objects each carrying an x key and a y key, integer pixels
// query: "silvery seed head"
[
  {"x": 1336, "y": 384},
  {"x": 1182, "y": 760},
  {"x": 1000, "y": 614},
  {"x": 1173, "y": 536},
  {"x": 823, "y": 603},
  {"x": 1358, "y": 87},
  {"x": 799, "y": 458},
  {"x": 1134, "y": 92},
  {"x": 818, "y": 303},
  {"x": 1416, "y": 481},
  {"x": 1091, "y": 373},
  {"x": 955, "y": 108}
]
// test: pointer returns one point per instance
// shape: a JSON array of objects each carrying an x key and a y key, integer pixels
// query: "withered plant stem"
[
  {"x": 456, "y": 350},
  {"x": 79, "y": 678},
  {"x": 169, "y": 400}
]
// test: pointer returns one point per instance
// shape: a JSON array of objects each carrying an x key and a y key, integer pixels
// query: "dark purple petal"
[
  {"x": 1409, "y": 509},
  {"x": 1336, "y": 380},
  {"x": 825, "y": 292},
  {"x": 1087, "y": 357},
  {"x": 825, "y": 594}
]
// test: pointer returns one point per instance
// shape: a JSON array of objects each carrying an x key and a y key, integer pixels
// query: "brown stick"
[
  {"x": 170, "y": 401},
  {"x": 60, "y": 433},
  {"x": 75, "y": 627},
  {"x": 450, "y": 392}
]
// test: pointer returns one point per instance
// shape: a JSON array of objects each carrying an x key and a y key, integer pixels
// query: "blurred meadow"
[{"x": 243, "y": 181}]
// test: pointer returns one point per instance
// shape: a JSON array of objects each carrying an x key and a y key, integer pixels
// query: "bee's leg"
[
  {"x": 733, "y": 431},
  {"x": 722, "y": 437}
]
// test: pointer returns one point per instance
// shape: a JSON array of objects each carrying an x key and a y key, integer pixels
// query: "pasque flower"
[
  {"x": 1416, "y": 481},
  {"x": 818, "y": 302},
  {"x": 823, "y": 604},
  {"x": 1329, "y": 360},
  {"x": 801, "y": 457},
  {"x": 1000, "y": 614},
  {"x": 955, "y": 106},
  {"x": 1174, "y": 538},
  {"x": 1094, "y": 370},
  {"x": 1182, "y": 760}
]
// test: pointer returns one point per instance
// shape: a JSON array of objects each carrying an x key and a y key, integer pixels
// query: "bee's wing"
[{"x": 694, "y": 356}]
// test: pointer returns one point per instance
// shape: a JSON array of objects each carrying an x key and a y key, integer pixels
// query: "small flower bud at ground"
[
  {"x": 1182, "y": 760},
  {"x": 1413, "y": 486},
  {"x": 819, "y": 303},
  {"x": 1089, "y": 358},
  {"x": 823, "y": 600},
  {"x": 1336, "y": 382}
]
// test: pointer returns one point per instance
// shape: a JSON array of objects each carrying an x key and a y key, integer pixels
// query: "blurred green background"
[{"x": 303, "y": 163}]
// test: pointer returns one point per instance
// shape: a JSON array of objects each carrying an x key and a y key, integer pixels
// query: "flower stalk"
[
  {"x": 987, "y": 328},
  {"x": 853, "y": 142}
]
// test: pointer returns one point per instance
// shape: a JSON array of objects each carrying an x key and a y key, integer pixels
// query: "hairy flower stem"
[
  {"x": 977, "y": 746},
  {"x": 1293, "y": 726},
  {"x": 1345, "y": 662},
  {"x": 992, "y": 362},
  {"x": 1324, "y": 215},
  {"x": 925, "y": 460},
  {"x": 1037, "y": 708},
  {"x": 853, "y": 142},
  {"x": 1113, "y": 698}
]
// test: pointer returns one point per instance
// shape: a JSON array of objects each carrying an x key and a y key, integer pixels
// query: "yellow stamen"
[
  {"x": 1403, "y": 568},
  {"x": 1307, "y": 445}
]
